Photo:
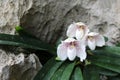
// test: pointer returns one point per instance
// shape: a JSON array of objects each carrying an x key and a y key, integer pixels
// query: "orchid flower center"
[
  {"x": 90, "y": 38},
  {"x": 81, "y": 27},
  {"x": 72, "y": 44}
]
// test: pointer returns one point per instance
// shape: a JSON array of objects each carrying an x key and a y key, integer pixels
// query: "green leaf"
[
  {"x": 109, "y": 66},
  {"x": 52, "y": 71},
  {"x": 25, "y": 42},
  {"x": 77, "y": 74},
  {"x": 23, "y": 33},
  {"x": 91, "y": 73},
  {"x": 108, "y": 50},
  {"x": 57, "y": 75},
  {"x": 107, "y": 72},
  {"x": 48, "y": 70},
  {"x": 18, "y": 28},
  {"x": 104, "y": 71},
  {"x": 106, "y": 62},
  {"x": 107, "y": 57},
  {"x": 68, "y": 71}
]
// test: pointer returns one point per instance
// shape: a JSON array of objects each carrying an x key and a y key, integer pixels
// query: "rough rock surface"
[
  {"x": 18, "y": 67},
  {"x": 21, "y": 66},
  {"x": 48, "y": 19},
  {"x": 10, "y": 13}
]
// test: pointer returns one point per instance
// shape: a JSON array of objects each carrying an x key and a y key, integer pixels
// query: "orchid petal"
[
  {"x": 71, "y": 30},
  {"x": 80, "y": 23},
  {"x": 69, "y": 40},
  {"x": 81, "y": 53},
  {"x": 79, "y": 34},
  {"x": 81, "y": 31},
  {"x": 91, "y": 44},
  {"x": 100, "y": 41},
  {"x": 93, "y": 34},
  {"x": 62, "y": 52},
  {"x": 71, "y": 53}
]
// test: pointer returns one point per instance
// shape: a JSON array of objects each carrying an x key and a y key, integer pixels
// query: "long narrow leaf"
[
  {"x": 106, "y": 62},
  {"x": 22, "y": 32},
  {"x": 68, "y": 71},
  {"x": 107, "y": 57},
  {"x": 48, "y": 69},
  {"x": 52, "y": 71},
  {"x": 109, "y": 50},
  {"x": 91, "y": 73},
  {"x": 109, "y": 66},
  {"x": 77, "y": 75},
  {"x": 25, "y": 42},
  {"x": 107, "y": 72},
  {"x": 57, "y": 75}
]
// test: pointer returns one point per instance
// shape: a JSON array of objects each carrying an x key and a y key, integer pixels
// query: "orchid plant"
[
  {"x": 79, "y": 36},
  {"x": 82, "y": 56}
]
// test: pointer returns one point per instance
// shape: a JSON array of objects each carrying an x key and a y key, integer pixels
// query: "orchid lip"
[{"x": 90, "y": 37}]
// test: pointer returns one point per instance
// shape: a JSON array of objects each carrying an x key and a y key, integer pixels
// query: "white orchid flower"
[
  {"x": 70, "y": 48},
  {"x": 78, "y": 30},
  {"x": 94, "y": 39}
]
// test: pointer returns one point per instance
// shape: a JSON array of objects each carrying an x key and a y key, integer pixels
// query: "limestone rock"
[
  {"x": 49, "y": 19},
  {"x": 18, "y": 67},
  {"x": 11, "y": 12},
  {"x": 21, "y": 66}
]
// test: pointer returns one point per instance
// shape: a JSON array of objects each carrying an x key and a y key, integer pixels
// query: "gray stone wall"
[
  {"x": 48, "y": 20},
  {"x": 15, "y": 66}
]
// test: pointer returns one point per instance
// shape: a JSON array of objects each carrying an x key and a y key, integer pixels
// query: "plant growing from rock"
[{"x": 82, "y": 56}]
